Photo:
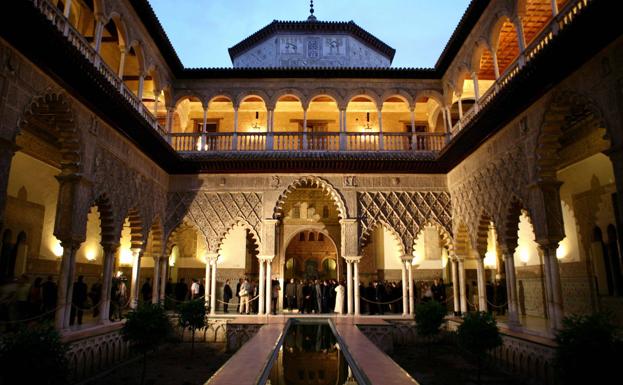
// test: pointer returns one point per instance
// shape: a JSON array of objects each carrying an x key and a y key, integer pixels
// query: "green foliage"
[
  {"x": 146, "y": 327},
  {"x": 429, "y": 317},
  {"x": 192, "y": 316},
  {"x": 33, "y": 355},
  {"x": 478, "y": 334},
  {"x": 588, "y": 342}
]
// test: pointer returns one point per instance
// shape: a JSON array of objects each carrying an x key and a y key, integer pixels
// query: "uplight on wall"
[
  {"x": 90, "y": 255},
  {"x": 524, "y": 256},
  {"x": 57, "y": 249},
  {"x": 561, "y": 251},
  {"x": 490, "y": 259},
  {"x": 125, "y": 257}
]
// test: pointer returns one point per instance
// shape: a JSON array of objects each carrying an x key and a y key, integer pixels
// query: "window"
[
  {"x": 312, "y": 236},
  {"x": 301, "y": 237}
]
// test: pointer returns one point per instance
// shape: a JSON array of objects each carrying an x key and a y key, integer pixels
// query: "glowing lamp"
[
  {"x": 489, "y": 260},
  {"x": 125, "y": 257},
  {"x": 561, "y": 251},
  {"x": 90, "y": 255},
  {"x": 524, "y": 256},
  {"x": 57, "y": 249}
]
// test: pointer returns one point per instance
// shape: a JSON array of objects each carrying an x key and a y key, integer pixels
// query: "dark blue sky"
[{"x": 202, "y": 30}]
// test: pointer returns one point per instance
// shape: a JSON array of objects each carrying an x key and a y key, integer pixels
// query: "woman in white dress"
[{"x": 339, "y": 298}]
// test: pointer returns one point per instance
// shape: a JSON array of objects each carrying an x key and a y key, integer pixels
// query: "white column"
[
  {"x": 462, "y": 286},
  {"x": 213, "y": 289},
  {"x": 449, "y": 119},
  {"x": 460, "y": 106},
  {"x": 136, "y": 269},
  {"x": 67, "y": 8},
  {"x": 65, "y": 285},
  {"x": 164, "y": 262},
  {"x": 356, "y": 286},
  {"x": 155, "y": 289},
  {"x": 271, "y": 122},
  {"x": 234, "y": 144},
  {"x": 511, "y": 288},
  {"x": 109, "y": 261},
  {"x": 204, "y": 142},
  {"x": 554, "y": 8},
  {"x": 552, "y": 286},
  {"x": 99, "y": 30},
  {"x": 235, "y": 119},
  {"x": 262, "y": 290},
  {"x": 476, "y": 87},
  {"x": 208, "y": 287},
  {"x": 455, "y": 287},
  {"x": 268, "y": 289},
  {"x": 380, "y": 113},
  {"x": 496, "y": 67},
  {"x": 121, "y": 62},
  {"x": 349, "y": 287},
  {"x": 482, "y": 285},
  {"x": 169, "y": 123},
  {"x": 411, "y": 291},
  {"x": 305, "y": 143},
  {"x": 405, "y": 284},
  {"x": 141, "y": 85},
  {"x": 342, "y": 129}
]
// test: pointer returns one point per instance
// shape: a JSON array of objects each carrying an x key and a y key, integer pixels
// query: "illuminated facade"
[{"x": 502, "y": 162}]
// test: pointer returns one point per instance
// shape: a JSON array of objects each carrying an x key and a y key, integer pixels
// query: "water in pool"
[{"x": 310, "y": 355}]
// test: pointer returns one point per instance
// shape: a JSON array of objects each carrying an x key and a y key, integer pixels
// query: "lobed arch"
[
  {"x": 238, "y": 222},
  {"x": 311, "y": 181},
  {"x": 444, "y": 235},
  {"x": 157, "y": 237},
  {"x": 109, "y": 233},
  {"x": 171, "y": 237},
  {"x": 462, "y": 241},
  {"x": 365, "y": 236},
  {"x": 564, "y": 107},
  {"x": 53, "y": 111},
  {"x": 137, "y": 236},
  {"x": 510, "y": 227},
  {"x": 482, "y": 233}
]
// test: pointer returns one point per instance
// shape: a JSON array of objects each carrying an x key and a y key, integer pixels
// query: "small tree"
[
  {"x": 146, "y": 328},
  {"x": 477, "y": 335},
  {"x": 588, "y": 342},
  {"x": 33, "y": 355},
  {"x": 192, "y": 316},
  {"x": 429, "y": 317}
]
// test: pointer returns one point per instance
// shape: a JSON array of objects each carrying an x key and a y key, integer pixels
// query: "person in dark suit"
[
  {"x": 238, "y": 293},
  {"x": 227, "y": 295},
  {"x": 78, "y": 299},
  {"x": 291, "y": 294}
]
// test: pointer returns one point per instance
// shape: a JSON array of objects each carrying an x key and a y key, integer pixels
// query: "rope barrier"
[
  {"x": 498, "y": 306},
  {"x": 381, "y": 303},
  {"x": 32, "y": 318}
]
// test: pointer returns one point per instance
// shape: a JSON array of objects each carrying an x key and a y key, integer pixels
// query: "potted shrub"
[
  {"x": 588, "y": 349},
  {"x": 146, "y": 328},
  {"x": 33, "y": 355},
  {"x": 192, "y": 316},
  {"x": 477, "y": 335},
  {"x": 429, "y": 317}
]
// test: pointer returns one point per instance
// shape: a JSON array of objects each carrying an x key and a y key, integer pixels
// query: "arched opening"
[
  {"x": 187, "y": 260},
  {"x": 506, "y": 44},
  {"x": 397, "y": 125},
  {"x": 252, "y": 115},
  {"x": 289, "y": 114},
  {"x": 129, "y": 259},
  {"x": 311, "y": 255},
  {"x": 220, "y": 116},
  {"x": 188, "y": 117},
  {"x": 323, "y": 118},
  {"x": 362, "y": 124},
  {"x": 133, "y": 69},
  {"x": 113, "y": 41},
  {"x": 81, "y": 16}
]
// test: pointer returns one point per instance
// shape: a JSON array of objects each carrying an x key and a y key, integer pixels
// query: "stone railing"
[
  {"x": 92, "y": 351},
  {"x": 75, "y": 38},
  {"x": 564, "y": 17},
  {"x": 301, "y": 141}
]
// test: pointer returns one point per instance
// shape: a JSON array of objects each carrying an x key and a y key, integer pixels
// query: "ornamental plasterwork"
[
  {"x": 126, "y": 189},
  {"x": 213, "y": 214},
  {"x": 406, "y": 212},
  {"x": 491, "y": 191}
]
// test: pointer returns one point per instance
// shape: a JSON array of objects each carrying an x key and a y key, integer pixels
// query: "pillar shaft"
[
  {"x": 99, "y": 30},
  {"x": 121, "y": 63},
  {"x": 476, "y": 86},
  {"x": 349, "y": 287},
  {"x": 455, "y": 287},
  {"x": 67, "y": 8},
  {"x": 405, "y": 285},
  {"x": 109, "y": 262},
  {"x": 482, "y": 284},
  {"x": 141, "y": 85},
  {"x": 553, "y": 287},
  {"x": 356, "y": 286},
  {"x": 164, "y": 267},
  {"x": 213, "y": 289},
  {"x": 136, "y": 268},
  {"x": 462, "y": 286},
  {"x": 511, "y": 288},
  {"x": 411, "y": 289},
  {"x": 268, "y": 288},
  {"x": 262, "y": 288},
  {"x": 208, "y": 284},
  {"x": 155, "y": 289},
  {"x": 496, "y": 67},
  {"x": 65, "y": 285}
]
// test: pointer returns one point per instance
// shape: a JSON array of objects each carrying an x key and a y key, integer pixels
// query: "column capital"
[
  {"x": 406, "y": 258},
  {"x": 270, "y": 221},
  {"x": 347, "y": 221},
  {"x": 352, "y": 259},
  {"x": 110, "y": 247},
  {"x": 211, "y": 258},
  {"x": 266, "y": 258}
]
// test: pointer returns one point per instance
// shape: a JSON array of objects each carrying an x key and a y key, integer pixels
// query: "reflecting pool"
[{"x": 310, "y": 354}]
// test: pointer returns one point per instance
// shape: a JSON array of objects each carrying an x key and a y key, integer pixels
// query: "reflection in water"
[{"x": 310, "y": 355}]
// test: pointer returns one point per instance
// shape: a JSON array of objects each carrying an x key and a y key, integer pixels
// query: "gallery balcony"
[{"x": 310, "y": 141}]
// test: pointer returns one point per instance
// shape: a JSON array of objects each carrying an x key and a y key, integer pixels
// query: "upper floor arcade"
[{"x": 414, "y": 112}]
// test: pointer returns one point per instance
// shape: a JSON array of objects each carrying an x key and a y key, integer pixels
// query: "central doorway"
[{"x": 311, "y": 254}]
